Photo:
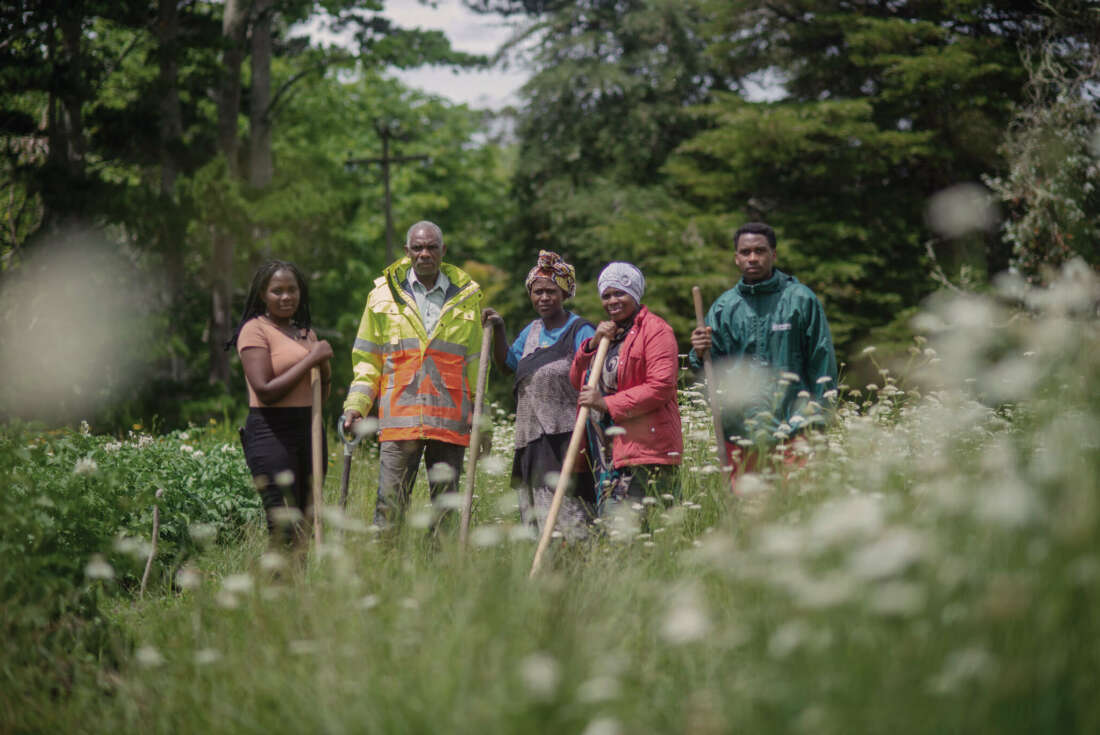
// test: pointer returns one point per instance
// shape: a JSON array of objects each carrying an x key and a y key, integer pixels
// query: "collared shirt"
[{"x": 429, "y": 301}]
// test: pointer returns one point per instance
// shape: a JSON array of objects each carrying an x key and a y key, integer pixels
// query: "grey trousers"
[{"x": 398, "y": 464}]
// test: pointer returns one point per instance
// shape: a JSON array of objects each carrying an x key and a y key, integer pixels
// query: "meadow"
[{"x": 934, "y": 567}]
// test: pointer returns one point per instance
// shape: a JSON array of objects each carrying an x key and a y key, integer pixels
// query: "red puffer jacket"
[{"x": 645, "y": 402}]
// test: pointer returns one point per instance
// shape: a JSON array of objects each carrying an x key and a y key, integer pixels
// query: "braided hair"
[{"x": 254, "y": 305}]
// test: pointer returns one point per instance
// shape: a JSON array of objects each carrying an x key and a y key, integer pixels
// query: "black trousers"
[{"x": 277, "y": 448}]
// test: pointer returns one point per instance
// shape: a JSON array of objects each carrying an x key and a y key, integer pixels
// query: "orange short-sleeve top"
[{"x": 285, "y": 352}]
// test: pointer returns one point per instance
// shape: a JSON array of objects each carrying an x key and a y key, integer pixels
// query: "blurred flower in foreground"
[
  {"x": 441, "y": 472},
  {"x": 99, "y": 568},
  {"x": 188, "y": 578},
  {"x": 961, "y": 209},
  {"x": 148, "y": 656},
  {"x": 686, "y": 619},
  {"x": 603, "y": 726},
  {"x": 207, "y": 656},
  {"x": 540, "y": 674},
  {"x": 85, "y": 466}
]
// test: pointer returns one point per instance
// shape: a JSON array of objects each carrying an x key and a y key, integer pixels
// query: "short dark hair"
[
  {"x": 254, "y": 305},
  {"x": 755, "y": 228}
]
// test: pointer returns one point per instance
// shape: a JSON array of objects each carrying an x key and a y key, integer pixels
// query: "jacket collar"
[
  {"x": 397, "y": 275},
  {"x": 772, "y": 284}
]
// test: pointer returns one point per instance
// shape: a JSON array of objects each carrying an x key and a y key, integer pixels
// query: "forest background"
[{"x": 154, "y": 153}]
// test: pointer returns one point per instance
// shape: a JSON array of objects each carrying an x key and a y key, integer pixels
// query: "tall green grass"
[{"x": 933, "y": 568}]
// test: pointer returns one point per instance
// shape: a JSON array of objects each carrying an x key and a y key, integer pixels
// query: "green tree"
[
  {"x": 1052, "y": 186},
  {"x": 880, "y": 108}
]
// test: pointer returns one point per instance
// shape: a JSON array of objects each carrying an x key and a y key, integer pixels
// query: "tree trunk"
[
  {"x": 234, "y": 28},
  {"x": 62, "y": 183},
  {"x": 171, "y": 134},
  {"x": 261, "y": 166}
]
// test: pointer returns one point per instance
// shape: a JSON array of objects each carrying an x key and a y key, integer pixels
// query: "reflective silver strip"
[
  {"x": 364, "y": 389},
  {"x": 412, "y": 422},
  {"x": 409, "y": 343},
  {"x": 366, "y": 346},
  {"x": 449, "y": 348}
]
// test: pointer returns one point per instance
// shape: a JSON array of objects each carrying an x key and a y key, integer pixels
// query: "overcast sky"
[{"x": 467, "y": 31}]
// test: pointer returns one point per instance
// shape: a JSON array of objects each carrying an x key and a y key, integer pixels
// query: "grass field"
[{"x": 933, "y": 568}]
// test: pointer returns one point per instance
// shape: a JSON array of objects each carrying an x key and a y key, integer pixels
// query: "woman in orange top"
[{"x": 277, "y": 350}]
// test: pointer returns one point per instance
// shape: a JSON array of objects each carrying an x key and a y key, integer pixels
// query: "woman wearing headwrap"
[
  {"x": 634, "y": 428},
  {"x": 546, "y": 402}
]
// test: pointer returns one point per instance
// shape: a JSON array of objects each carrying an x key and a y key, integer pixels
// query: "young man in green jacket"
[{"x": 772, "y": 352}]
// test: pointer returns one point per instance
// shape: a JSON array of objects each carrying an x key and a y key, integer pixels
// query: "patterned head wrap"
[
  {"x": 551, "y": 266},
  {"x": 624, "y": 277}
]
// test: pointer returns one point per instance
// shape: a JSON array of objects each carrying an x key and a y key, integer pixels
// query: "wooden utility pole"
[{"x": 386, "y": 132}]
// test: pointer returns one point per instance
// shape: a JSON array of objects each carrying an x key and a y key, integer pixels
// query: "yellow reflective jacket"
[{"x": 422, "y": 381}]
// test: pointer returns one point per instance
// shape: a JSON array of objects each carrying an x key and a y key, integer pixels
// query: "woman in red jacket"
[{"x": 634, "y": 429}]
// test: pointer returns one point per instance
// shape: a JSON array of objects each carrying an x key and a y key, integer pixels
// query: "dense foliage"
[
  {"x": 77, "y": 522},
  {"x": 196, "y": 140},
  {"x": 932, "y": 567}
]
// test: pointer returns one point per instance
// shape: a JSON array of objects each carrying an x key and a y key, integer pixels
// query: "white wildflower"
[
  {"x": 485, "y": 536},
  {"x": 303, "y": 648},
  {"x": 448, "y": 501},
  {"x": 227, "y": 600},
  {"x": 752, "y": 484},
  {"x": 186, "y": 448},
  {"x": 849, "y": 518},
  {"x": 148, "y": 656},
  {"x": 202, "y": 532},
  {"x": 897, "y": 598},
  {"x": 890, "y": 555},
  {"x": 188, "y": 578},
  {"x": 441, "y": 472},
  {"x": 99, "y": 568},
  {"x": 85, "y": 466},
  {"x": 1008, "y": 502},
  {"x": 540, "y": 673},
  {"x": 686, "y": 619},
  {"x": 961, "y": 668},
  {"x": 285, "y": 516},
  {"x": 868, "y": 350},
  {"x": 237, "y": 583},
  {"x": 207, "y": 656},
  {"x": 494, "y": 464},
  {"x": 368, "y": 602},
  {"x": 603, "y": 726},
  {"x": 788, "y": 638},
  {"x": 522, "y": 533},
  {"x": 366, "y": 426},
  {"x": 272, "y": 561},
  {"x": 961, "y": 209},
  {"x": 599, "y": 689}
]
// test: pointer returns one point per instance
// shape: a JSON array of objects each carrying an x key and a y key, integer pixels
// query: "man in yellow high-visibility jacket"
[{"x": 416, "y": 353}]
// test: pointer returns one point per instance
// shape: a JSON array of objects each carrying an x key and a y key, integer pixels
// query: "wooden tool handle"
[
  {"x": 316, "y": 432},
  {"x": 475, "y": 435}
]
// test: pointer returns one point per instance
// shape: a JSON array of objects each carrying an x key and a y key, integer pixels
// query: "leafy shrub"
[{"x": 76, "y": 519}]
